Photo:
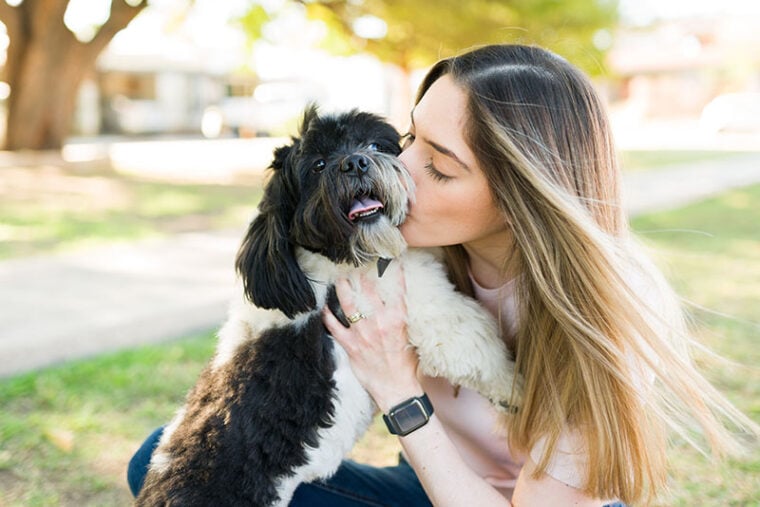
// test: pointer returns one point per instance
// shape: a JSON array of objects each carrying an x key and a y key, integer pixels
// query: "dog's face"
[
  {"x": 339, "y": 190},
  {"x": 350, "y": 192}
]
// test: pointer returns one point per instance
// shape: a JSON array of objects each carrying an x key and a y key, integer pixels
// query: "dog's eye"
[
  {"x": 319, "y": 166},
  {"x": 373, "y": 147}
]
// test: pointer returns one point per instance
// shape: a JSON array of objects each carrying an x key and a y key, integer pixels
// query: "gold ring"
[{"x": 356, "y": 317}]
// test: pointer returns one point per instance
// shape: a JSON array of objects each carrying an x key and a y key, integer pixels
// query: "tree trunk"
[
  {"x": 43, "y": 95},
  {"x": 45, "y": 67}
]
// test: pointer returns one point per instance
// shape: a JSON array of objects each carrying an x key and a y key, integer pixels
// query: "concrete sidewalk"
[{"x": 63, "y": 307}]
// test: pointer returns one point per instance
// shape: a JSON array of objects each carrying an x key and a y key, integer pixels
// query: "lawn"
[
  {"x": 53, "y": 207},
  {"x": 642, "y": 160},
  {"x": 66, "y": 433},
  {"x": 712, "y": 249}
]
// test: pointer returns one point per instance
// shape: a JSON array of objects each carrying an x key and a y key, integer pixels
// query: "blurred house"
[
  {"x": 175, "y": 87},
  {"x": 677, "y": 67},
  {"x": 147, "y": 94},
  {"x": 152, "y": 94}
]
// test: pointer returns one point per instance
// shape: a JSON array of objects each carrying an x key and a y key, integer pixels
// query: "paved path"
[
  {"x": 673, "y": 187},
  {"x": 58, "y": 308}
]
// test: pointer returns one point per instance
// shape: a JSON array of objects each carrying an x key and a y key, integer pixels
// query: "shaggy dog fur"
[{"x": 279, "y": 404}]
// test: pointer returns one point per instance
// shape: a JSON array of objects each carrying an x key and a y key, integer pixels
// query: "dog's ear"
[
  {"x": 281, "y": 155},
  {"x": 266, "y": 261}
]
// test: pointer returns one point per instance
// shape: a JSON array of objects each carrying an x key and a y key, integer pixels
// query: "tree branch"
[
  {"x": 11, "y": 18},
  {"x": 44, "y": 14},
  {"x": 121, "y": 15}
]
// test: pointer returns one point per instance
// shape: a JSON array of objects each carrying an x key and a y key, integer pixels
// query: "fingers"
[
  {"x": 371, "y": 320},
  {"x": 334, "y": 326},
  {"x": 348, "y": 295}
]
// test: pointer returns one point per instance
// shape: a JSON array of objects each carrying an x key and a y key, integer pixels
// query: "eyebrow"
[{"x": 442, "y": 149}]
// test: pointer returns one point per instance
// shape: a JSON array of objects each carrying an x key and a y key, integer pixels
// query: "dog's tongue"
[{"x": 362, "y": 205}]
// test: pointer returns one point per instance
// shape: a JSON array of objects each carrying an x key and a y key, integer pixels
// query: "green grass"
[
  {"x": 48, "y": 209},
  {"x": 68, "y": 432},
  {"x": 641, "y": 160},
  {"x": 713, "y": 250}
]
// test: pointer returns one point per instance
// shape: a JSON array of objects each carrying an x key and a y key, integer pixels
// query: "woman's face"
[{"x": 453, "y": 202}]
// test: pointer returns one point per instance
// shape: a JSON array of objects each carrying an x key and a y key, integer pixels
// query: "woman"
[{"x": 516, "y": 177}]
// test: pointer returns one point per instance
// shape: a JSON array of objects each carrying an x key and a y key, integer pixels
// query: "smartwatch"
[{"x": 409, "y": 415}]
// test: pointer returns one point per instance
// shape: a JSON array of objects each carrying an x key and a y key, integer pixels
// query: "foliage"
[
  {"x": 252, "y": 22},
  {"x": 421, "y": 32}
]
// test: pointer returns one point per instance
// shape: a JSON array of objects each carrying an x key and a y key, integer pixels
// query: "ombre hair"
[{"x": 602, "y": 343}]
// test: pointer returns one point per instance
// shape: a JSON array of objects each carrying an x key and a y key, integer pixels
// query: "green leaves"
[{"x": 420, "y": 32}]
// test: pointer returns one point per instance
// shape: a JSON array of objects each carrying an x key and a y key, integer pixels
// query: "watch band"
[{"x": 409, "y": 415}]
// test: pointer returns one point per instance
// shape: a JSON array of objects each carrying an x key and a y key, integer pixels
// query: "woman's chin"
[{"x": 407, "y": 231}]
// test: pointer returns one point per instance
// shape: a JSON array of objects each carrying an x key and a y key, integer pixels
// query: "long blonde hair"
[{"x": 597, "y": 321}]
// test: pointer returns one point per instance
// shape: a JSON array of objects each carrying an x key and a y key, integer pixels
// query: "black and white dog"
[{"x": 279, "y": 404}]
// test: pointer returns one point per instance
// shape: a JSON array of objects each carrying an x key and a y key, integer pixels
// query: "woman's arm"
[
  {"x": 447, "y": 479},
  {"x": 386, "y": 366}
]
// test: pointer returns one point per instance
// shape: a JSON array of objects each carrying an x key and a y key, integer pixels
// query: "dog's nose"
[{"x": 355, "y": 163}]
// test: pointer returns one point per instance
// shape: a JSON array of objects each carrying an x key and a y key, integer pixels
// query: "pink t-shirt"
[{"x": 471, "y": 422}]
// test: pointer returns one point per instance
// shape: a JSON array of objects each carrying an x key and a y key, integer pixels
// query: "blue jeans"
[{"x": 352, "y": 485}]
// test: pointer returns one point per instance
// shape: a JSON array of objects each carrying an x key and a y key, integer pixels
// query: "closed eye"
[{"x": 436, "y": 174}]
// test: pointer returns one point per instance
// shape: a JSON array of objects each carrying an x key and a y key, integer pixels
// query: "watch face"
[{"x": 410, "y": 417}]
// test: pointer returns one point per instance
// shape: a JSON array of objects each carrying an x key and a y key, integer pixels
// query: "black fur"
[
  {"x": 251, "y": 419},
  {"x": 266, "y": 261},
  {"x": 253, "y": 415},
  {"x": 334, "y": 305}
]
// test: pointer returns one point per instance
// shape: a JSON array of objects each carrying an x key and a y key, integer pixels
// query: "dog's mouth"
[{"x": 364, "y": 208}]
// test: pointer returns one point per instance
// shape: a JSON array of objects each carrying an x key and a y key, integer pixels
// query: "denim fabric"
[{"x": 353, "y": 485}]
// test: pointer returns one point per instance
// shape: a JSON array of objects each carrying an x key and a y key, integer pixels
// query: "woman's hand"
[{"x": 377, "y": 345}]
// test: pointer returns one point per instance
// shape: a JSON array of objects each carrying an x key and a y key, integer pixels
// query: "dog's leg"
[
  {"x": 455, "y": 337},
  {"x": 257, "y": 422},
  {"x": 353, "y": 411}
]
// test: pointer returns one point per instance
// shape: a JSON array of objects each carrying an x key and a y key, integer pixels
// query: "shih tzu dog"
[{"x": 279, "y": 405}]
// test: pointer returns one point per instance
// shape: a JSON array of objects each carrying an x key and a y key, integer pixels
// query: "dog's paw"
[{"x": 501, "y": 385}]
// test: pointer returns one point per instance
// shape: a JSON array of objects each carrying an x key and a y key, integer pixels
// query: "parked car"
[{"x": 732, "y": 112}]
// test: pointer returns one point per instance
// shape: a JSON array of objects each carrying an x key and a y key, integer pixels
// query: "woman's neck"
[{"x": 486, "y": 261}]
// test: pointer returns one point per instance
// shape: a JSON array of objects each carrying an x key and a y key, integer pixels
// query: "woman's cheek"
[{"x": 410, "y": 231}]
